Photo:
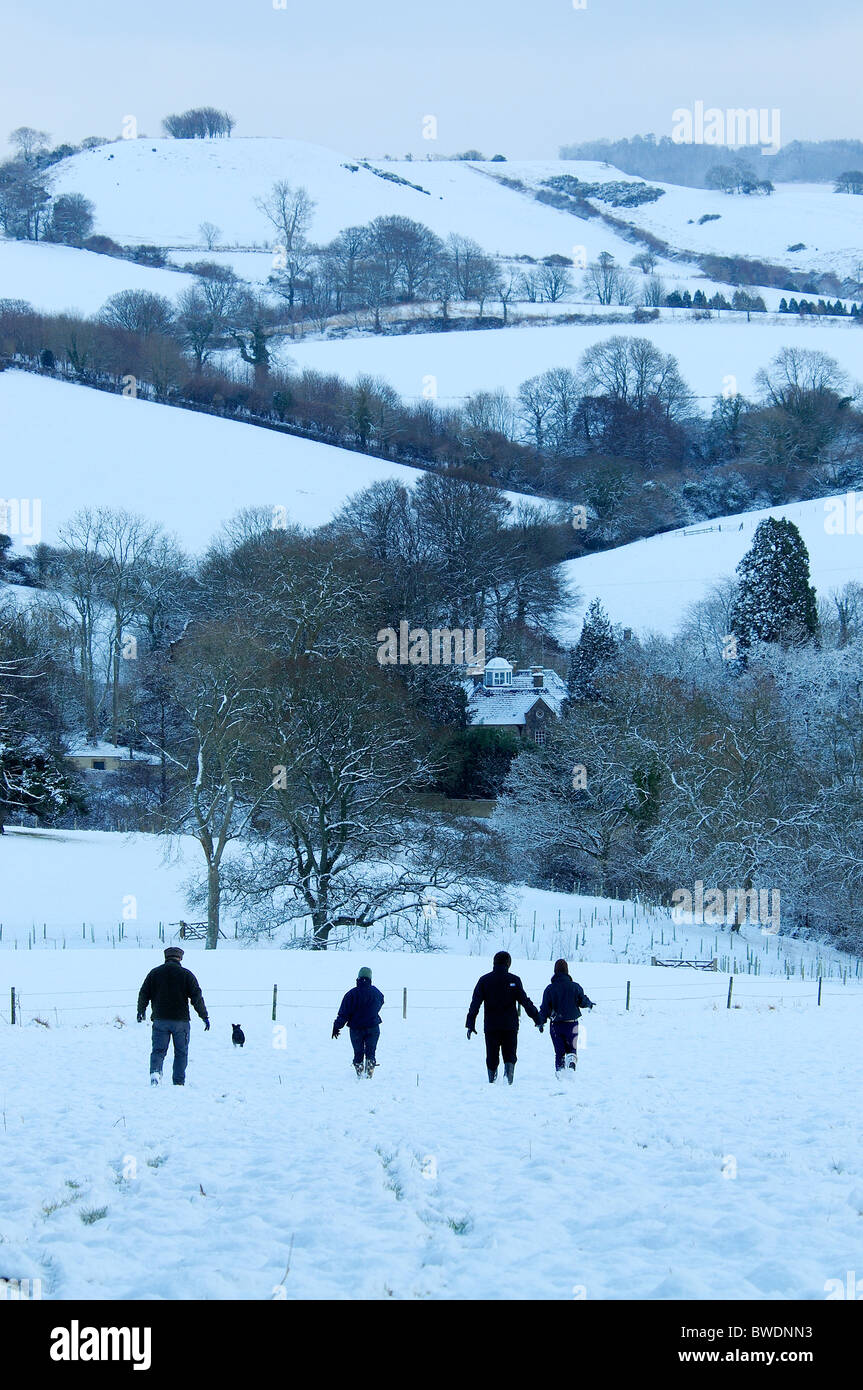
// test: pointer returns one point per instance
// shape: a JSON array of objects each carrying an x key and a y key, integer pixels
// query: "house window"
[
  {"x": 539, "y": 735},
  {"x": 499, "y": 678},
  {"x": 98, "y": 765}
]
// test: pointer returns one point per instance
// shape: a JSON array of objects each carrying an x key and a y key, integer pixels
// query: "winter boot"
[
  {"x": 370, "y": 1066},
  {"x": 358, "y": 1068},
  {"x": 155, "y": 1079},
  {"x": 509, "y": 1071},
  {"x": 571, "y": 1061},
  {"x": 492, "y": 1074}
]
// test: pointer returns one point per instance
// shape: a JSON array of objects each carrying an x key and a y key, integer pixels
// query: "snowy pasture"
[
  {"x": 649, "y": 584},
  {"x": 55, "y": 279},
  {"x": 162, "y": 190},
  {"x": 698, "y": 1152},
  {"x": 71, "y": 445},
  {"x": 709, "y": 352},
  {"x": 691, "y": 1141}
]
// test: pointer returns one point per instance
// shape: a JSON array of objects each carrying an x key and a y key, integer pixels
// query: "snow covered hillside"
[
  {"x": 763, "y": 228},
  {"x": 672, "y": 1164},
  {"x": 461, "y": 363},
  {"x": 70, "y": 446},
  {"x": 102, "y": 890},
  {"x": 649, "y": 584},
  {"x": 58, "y": 278},
  {"x": 162, "y": 190}
]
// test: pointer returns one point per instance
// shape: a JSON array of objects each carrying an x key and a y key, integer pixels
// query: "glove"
[
  {"x": 141, "y": 1018},
  {"x": 541, "y": 1027},
  {"x": 470, "y": 1033},
  {"x": 206, "y": 1025},
  {"x": 336, "y": 1031}
]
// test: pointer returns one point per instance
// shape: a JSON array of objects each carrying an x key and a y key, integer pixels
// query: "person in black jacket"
[
  {"x": 500, "y": 994},
  {"x": 562, "y": 1003},
  {"x": 360, "y": 1010},
  {"x": 170, "y": 988}
]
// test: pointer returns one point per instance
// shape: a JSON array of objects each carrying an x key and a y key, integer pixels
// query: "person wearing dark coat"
[
  {"x": 500, "y": 994},
  {"x": 360, "y": 1010},
  {"x": 170, "y": 988},
  {"x": 562, "y": 1003}
]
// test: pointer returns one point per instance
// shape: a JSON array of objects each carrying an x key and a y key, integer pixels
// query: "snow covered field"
[
  {"x": 692, "y": 1139},
  {"x": 162, "y": 190},
  {"x": 58, "y": 278},
  {"x": 649, "y": 584},
  {"x": 464, "y": 362},
  {"x": 72, "y": 446},
  {"x": 697, "y": 1153}
]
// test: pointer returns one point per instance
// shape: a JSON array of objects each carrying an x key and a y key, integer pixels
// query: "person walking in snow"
[
  {"x": 500, "y": 993},
  {"x": 170, "y": 988},
  {"x": 360, "y": 1010},
  {"x": 562, "y": 1003}
]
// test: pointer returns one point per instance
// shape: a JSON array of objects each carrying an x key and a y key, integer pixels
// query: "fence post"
[
  {"x": 275, "y": 998},
  {"x": 819, "y": 991},
  {"x": 730, "y": 987},
  {"x": 405, "y": 1002},
  {"x": 628, "y": 986},
  {"x": 12, "y": 995}
]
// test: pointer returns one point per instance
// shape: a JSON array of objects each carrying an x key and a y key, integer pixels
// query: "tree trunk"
[{"x": 214, "y": 895}]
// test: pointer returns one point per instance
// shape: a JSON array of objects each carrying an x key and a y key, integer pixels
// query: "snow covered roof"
[
  {"x": 510, "y": 704},
  {"x": 102, "y": 749}
]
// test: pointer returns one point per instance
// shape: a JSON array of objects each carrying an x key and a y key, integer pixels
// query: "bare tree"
[{"x": 210, "y": 234}]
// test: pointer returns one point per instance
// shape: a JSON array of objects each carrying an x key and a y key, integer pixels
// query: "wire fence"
[{"x": 32, "y": 1005}]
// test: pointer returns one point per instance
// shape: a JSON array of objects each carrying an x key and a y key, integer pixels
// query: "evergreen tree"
[
  {"x": 775, "y": 601},
  {"x": 596, "y": 645}
]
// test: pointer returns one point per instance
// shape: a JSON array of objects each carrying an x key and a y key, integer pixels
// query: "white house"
[
  {"x": 107, "y": 757},
  {"x": 525, "y": 702}
]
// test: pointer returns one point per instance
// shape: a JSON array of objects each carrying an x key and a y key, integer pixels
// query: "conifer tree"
[
  {"x": 596, "y": 645},
  {"x": 775, "y": 601}
]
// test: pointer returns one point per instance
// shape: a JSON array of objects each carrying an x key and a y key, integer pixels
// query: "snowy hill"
[
  {"x": 763, "y": 228},
  {"x": 58, "y": 278},
  {"x": 188, "y": 471},
  {"x": 162, "y": 190},
  {"x": 708, "y": 352},
  {"x": 649, "y": 584}
]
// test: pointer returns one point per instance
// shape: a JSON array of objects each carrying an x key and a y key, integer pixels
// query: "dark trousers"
[
  {"x": 564, "y": 1036},
  {"x": 164, "y": 1031},
  {"x": 497, "y": 1041},
  {"x": 365, "y": 1041}
]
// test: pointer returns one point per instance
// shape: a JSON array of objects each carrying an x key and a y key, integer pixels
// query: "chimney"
[{"x": 538, "y": 677}]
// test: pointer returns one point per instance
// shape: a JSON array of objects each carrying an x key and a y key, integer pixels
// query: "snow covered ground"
[
  {"x": 692, "y": 1139},
  {"x": 162, "y": 190},
  {"x": 708, "y": 352},
  {"x": 58, "y": 278},
  {"x": 71, "y": 446},
  {"x": 649, "y": 584},
  {"x": 677, "y": 1162}
]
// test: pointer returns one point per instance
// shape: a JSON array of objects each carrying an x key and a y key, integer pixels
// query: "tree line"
[{"x": 729, "y": 754}]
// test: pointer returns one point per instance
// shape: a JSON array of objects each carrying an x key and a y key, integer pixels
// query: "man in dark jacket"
[
  {"x": 562, "y": 1003},
  {"x": 360, "y": 1010},
  {"x": 500, "y": 993},
  {"x": 170, "y": 988}
]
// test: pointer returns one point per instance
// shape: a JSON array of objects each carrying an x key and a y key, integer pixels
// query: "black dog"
[{"x": 238, "y": 1037}]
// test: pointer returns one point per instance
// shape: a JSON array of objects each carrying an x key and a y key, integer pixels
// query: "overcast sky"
[{"x": 519, "y": 77}]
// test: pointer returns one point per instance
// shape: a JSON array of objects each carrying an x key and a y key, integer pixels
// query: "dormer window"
[{"x": 498, "y": 674}]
